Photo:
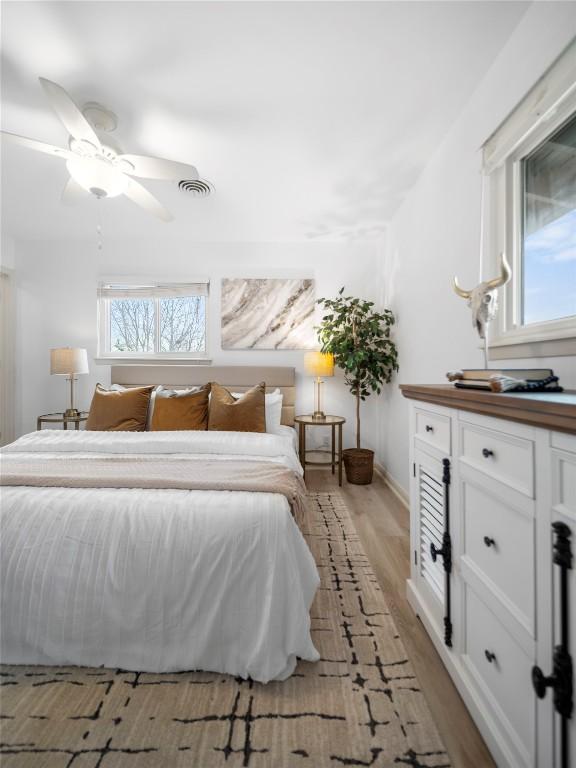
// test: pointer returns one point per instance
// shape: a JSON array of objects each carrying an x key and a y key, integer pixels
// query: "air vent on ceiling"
[{"x": 196, "y": 188}]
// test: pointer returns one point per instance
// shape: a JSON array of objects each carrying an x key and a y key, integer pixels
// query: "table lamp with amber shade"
[
  {"x": 320, "y": 365},
  {"x": 68, "y": 361}
]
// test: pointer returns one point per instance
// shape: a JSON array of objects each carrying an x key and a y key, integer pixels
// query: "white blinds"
[{"x": 152, "y": 291}]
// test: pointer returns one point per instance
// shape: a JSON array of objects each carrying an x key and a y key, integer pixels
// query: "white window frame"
[
  {"x": 550, "y": 104},
  {"x": 171, "y": 288}
]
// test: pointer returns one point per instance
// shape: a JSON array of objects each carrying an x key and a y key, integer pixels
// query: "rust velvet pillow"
[
  {"x": 181, "y": 411},
  {"x": 119, "y": 410},
  {"x": 243, "y": 414}
]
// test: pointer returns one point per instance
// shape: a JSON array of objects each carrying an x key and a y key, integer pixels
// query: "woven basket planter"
[{"x": 359, "y": 465}]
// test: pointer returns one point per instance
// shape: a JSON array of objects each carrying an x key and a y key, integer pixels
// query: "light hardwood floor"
[{"x": 382, "y": 523}]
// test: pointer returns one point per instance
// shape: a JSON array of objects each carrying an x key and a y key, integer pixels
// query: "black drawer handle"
[
  {"x": 489, "y": 541},
  {"x": 490, "y": 657},
  {"x": 436, "y": 552},
  {"x": 429, "y": 428},
  {"x": 487, "y": 452},
  {"x": 540, "y": 682}
]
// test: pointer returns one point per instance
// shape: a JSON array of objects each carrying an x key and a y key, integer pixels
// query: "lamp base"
[
  {"x": 318, "y": 414},
  {"x": 71, "y": 413}
]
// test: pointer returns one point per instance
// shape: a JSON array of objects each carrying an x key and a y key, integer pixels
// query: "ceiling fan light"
[{"x": 97, "y": 176}]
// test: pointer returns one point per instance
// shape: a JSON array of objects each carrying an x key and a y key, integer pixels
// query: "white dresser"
[{"x": 493, "y": 527}]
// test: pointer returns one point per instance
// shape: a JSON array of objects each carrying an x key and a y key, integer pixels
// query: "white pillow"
[{"x": 273, "y": 407}]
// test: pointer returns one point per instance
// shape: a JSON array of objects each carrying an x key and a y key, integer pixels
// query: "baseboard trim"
[{"x": 393, "y": 484}]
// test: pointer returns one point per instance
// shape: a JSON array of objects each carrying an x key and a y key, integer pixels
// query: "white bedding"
[
  {"x": 291, "y": 433},
  {"x": 155, "y": 580}
]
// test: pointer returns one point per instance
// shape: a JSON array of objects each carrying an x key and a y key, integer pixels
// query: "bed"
[{"x": 165, "y": 578}]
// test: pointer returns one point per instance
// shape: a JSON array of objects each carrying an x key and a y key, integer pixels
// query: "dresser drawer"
[
  {"x": 499, "y": 546},
  {"x": 434, "y": 429},
  {"x": 504, "y": 457},
  {"x": 504, "y": 669}
]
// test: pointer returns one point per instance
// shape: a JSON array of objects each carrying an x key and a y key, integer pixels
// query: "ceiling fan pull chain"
[{"x": 99, "y": 239}]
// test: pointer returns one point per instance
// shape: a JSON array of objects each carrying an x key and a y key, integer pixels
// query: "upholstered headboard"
[{"x": 238, "y": 378}]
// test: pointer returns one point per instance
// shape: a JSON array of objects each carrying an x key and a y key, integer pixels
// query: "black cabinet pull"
[
  {"x": 429, "y": 428},
  {"x": 487, "y": 452},
  {"x": 540, "y": 682},
  {"x": 489, "y": 541},
  {"x": 560, "y": 681},
  {"x": 490, "y": 657},
  {"x": 435, "y": 551},
  {"x": 445, "y": 552}
]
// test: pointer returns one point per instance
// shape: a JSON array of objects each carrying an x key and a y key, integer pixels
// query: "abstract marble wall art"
[{"x": 268, "y": 314}]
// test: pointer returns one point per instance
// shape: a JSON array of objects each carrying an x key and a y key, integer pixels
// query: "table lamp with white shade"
[
  {"x": 320, "y": 365},
  {"x": 69, "y": 361}
]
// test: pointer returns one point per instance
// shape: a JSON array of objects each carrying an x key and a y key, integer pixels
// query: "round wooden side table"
[{"x": 336, "y": 454}]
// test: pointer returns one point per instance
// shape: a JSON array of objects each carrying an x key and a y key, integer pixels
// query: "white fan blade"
[
  {"x": 140, "y": 195},
  {"x": 69, "y": 113},
  {"x": 73, "y": 193},
  {"x": 39, "y": 146},
  {"x": 158, "y": 168}
]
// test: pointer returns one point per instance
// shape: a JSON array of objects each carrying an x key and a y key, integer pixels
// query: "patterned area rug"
[{"x": 359, "y": 706}]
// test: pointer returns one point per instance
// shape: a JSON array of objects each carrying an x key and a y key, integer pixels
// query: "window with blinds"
[{"x": 161, "y": 319}]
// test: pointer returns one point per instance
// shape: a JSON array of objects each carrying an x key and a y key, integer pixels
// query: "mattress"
[{"x": 155, "y": 580}]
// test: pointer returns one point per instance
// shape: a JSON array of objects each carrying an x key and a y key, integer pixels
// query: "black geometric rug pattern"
[{"x": 360, "y": 705}]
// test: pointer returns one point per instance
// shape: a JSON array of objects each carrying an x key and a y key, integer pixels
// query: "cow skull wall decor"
[{"x": 483, "y": 301}]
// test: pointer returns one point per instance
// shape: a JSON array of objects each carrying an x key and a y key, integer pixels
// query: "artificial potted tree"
[{"x": 359, "y": 339}]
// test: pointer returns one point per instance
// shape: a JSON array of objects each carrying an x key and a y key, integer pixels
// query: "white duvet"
[{"x": 155, "y": 580}]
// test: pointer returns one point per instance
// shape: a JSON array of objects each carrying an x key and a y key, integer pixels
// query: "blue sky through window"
[{"x": 550, "y": 271}]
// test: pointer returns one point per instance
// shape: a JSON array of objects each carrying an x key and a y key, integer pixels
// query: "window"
[
  {"x": 549, "y": 229},
  {"x": 153, "y": 321},
  {"x": 530, "y": 214}
]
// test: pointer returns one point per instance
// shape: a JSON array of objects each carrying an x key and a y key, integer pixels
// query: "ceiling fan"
[{"x": 95, "y": 162}]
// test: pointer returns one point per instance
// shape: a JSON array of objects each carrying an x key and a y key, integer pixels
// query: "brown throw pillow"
[
  {"x": 181, "y": 411},
  {"x": 243, "y": 414},
  {"x": 119, "y": 411}
]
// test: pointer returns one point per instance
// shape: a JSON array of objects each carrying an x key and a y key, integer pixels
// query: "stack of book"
[{"x": 479, "y": 378}]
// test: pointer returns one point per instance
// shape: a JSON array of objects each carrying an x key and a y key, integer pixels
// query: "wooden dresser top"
[{"x": 554, "y": 410}]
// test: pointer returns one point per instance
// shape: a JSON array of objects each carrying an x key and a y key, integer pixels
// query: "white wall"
[
  {"x": 435, "y": 233},
  {"x": 7, "y": 332},
  {"x": 56, "y": 289},
  {"x": 7, "y": 252}
]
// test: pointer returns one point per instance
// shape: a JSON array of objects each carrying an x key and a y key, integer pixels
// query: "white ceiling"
[{"x": 312, "y": 120}]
